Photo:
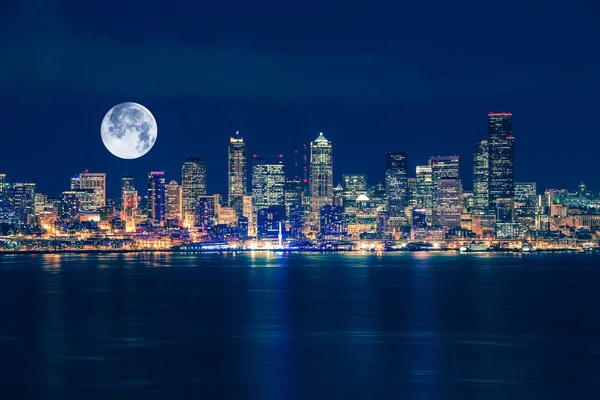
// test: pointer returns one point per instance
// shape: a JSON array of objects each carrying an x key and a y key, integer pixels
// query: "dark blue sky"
[{"x": 375, "y": 77}]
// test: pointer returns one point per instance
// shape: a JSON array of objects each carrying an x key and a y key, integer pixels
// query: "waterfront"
[{"x": 286, "y": 326}]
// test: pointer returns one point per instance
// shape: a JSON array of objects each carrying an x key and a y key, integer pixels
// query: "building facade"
[
  {"x": 321, "y": 176},
  {"x": 156, "y": 197},
  {"x": 501, "y": 157},
  {"x": 268, "y": 182},
  {"x": 481, "y": 175},
  {"x": 238, "y": 174},
  {"x": 193, "y": 185}
]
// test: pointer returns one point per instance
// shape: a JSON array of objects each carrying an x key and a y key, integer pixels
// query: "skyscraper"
[
  {"x": 173, "y": 202},
  {"x": 23, "y": 197},
  {"x": 481, "y": 175},
  {"x": 205, "y": 211},
  {"x": 354, "y": 185},
  {"x": 237, "y": 184},
  {"x": 193, "y": 185},
  {"x": 126, "y": 184},
  {"x": 156, "y": 197},
  {"x": 268, "y": 182},
  {"x": 321, "y": 176},
  {"x": 426, "y": 191},
  {"x": 70, "y": 205},
  {"x": 444, "y": 167},
  {"x": 449, "y": 200},
  {"x": 96, "y": 182},
  {"x": 502, "y": 157},
  {"x": 396, "y": 183},
  {"x": 2, "y": 185}
]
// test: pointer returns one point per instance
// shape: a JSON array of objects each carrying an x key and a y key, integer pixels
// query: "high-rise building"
[
  {"x": 205, "y": 211},
  {"x": 353, "y": 185},
  {"x": 501, "y": 157},
  {"x": 129, "y": 208},
  {"x": 2, "y": 186},
  {"x": 96, "y": 182},
  {"x": 237, "y": 183},
  {"x": 173, "y": 202},
  {"x": 268, "y": 182},
  {"x": 426, "y": 191},
  {"x": 481, "y": 175},
  {"x": 41, "y": 201},
  {"x": 321, "y": 176},
  {"x": 193, "y": 185},
  {"x": 70, "y": 205},
  {"x": 293, "y": 195},
  {"x": 505, "y": 211},
  {"x": 444, "y": 167},
  {"x": 396, "y": 183},
  {"x": 23, "y": 199},
  {"x": 449, "y": 200},
  {"x": 526, "y": 192},
  {"x": 412, "y": 191},
  {"x": 156, "y": 197},
  {"x": 127, "y": 184}
]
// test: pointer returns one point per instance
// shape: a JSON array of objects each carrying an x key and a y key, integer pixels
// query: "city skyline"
[{"x": 244, "y": 177}]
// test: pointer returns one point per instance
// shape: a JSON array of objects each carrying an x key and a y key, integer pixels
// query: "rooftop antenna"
[{"x": 237, "y": 133}]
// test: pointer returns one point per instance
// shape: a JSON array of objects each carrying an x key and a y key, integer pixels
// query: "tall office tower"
[
  {"x": 412, "y": 192},
  {"x": 193, "y": 185},
  {"x": 502, "y": 157},
  {"x": 481, "y": 175},
  {"x": 173, "y": 208},
  {"x": 127, "y": 184},
  {"x": 449, "y": 200},
  {"x": 40, "y": 203},
  {"x": 96, "y": 182},
  {"x": 156, "y": 197},
  {"x": 526, "y": 204},
  {"x": 23, "y": 198},
  {"x": 292, "y": 194},
  {"x": 2, "y": 185},
  {"x": 444, "y": 167},
  {"x": 526, "y": 192},
  {"x": 75, "y": 182},
  {"x": 338, "y": 196},
  {"x": 396, "y": 183},
  {"x": 321, "y": 176},
  {"x": 268, "y": 182},
  {"x": 354, "y": 185},
  {"x": 70, "y": 205},
  {"x": 206, "y": 208},
  {"x": 426, "y": 191},
  {"x": 505, "y": 211},
  {"x": 237, "y": 184},
  {"x": 129, "y": 208}
]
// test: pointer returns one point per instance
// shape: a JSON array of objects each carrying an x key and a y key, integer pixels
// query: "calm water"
[{"x": 302, "y": 326}]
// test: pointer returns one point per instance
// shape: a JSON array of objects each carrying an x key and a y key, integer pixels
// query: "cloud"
[{"x": 48, "y": 57}]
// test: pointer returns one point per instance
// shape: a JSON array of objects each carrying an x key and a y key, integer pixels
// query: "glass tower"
[
  {"x": 502, "y": 157},
  {"x": 268, "y": 182},
  {"x": 193, "y": 185},
  {"x": 237, "y": 183},
  {"x": 396, "y": 183},
  {"x": 481, "y": 173},
  {"x": 156, "y": 197},
  {"x": 321, "y": 175}
]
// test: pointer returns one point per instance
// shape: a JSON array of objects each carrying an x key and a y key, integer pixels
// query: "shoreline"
[{"x": 127, "y": 251}]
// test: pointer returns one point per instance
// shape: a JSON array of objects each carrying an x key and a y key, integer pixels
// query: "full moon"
[{"x": 129, "y": 130}]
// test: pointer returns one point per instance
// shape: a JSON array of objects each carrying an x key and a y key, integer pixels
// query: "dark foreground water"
[{"x": 300, "y": 326}]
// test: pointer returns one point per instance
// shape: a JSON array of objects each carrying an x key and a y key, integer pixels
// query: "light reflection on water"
[{"x": 414, "y": 326}]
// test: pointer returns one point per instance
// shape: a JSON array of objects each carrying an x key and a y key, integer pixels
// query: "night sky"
[{"x": 373, "y": 76}]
